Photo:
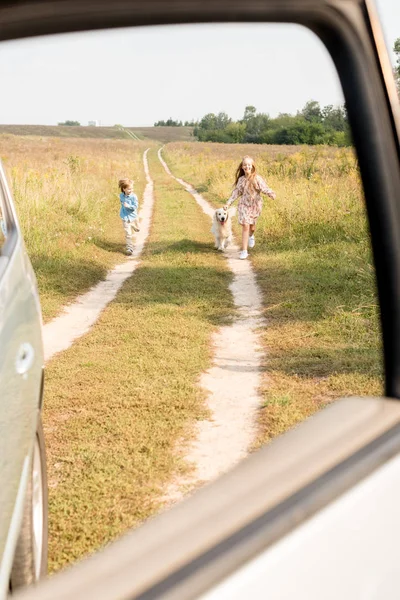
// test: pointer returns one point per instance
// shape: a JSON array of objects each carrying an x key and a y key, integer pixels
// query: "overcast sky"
[{"x": 137, "y": 76}]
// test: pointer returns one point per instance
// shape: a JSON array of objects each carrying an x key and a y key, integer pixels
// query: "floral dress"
[{"x": 250, "y": 203}]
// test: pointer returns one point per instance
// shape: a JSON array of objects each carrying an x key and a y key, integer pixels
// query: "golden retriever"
[{"x": 222, "y": 227}]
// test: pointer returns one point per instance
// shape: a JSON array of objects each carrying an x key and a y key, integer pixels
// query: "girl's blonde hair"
[
  {"x": 124, "y": 183},
  {"x": 240, "y": 172}
]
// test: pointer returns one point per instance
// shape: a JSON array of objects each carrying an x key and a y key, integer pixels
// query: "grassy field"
[
  {"x": 160, "y": 134},
  {"x": 164, "y": 134},
  {"x": 66, "y": 192},
  {"x": 119, "y": 401},
  {"x": 314, "y": 267},
  {"x": 64, "y": 131},
  {"x": 122, "y": 400}
]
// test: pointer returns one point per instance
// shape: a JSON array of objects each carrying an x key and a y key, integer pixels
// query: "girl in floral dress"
[{"x": 249, "y": 186}]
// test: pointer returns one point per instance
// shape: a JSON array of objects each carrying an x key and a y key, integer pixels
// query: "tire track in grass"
[
  {"x": 120, "y": 400},
  {"x": 233, "y": 382},
  {"x": 77, "y": 318}
]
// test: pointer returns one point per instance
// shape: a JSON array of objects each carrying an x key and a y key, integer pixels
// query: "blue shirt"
[{"x": 128, "y": 213}]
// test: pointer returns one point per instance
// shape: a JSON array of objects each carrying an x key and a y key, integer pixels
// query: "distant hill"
[
  {"x": 161, "y": 134},
  {"x": 64, "y": 131},
  {"x": 164, "y": 134}
]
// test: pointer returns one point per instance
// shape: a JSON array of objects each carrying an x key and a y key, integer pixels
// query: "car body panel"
[
  {"x": 21, "y": 368},
  {"x": 344, "y": 551}
]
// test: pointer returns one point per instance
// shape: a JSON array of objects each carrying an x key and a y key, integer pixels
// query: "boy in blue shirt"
[{"x": 128, "y": 212}]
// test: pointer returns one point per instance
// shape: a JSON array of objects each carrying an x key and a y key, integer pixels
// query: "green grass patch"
[
  {"x": 120, "y": 401},
  {"x": 313, "y": 264}
]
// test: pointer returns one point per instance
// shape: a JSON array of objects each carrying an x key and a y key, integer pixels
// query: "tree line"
[
  {"x": 171, "y": 123},
  {"x": 312, "y": 125}
]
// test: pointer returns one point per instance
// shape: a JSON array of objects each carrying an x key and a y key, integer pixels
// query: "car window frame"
[{"x": 347, "y": 38}]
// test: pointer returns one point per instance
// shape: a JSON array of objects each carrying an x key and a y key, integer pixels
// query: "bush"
[{"x": 71, "y": 123}]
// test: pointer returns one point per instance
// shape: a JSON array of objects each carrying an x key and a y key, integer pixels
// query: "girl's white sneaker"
[
  {"x": 252, "y": 241},
  {"x": 243, "y": 254}
]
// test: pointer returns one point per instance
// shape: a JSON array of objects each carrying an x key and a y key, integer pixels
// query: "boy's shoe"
[
  {"x": 129, "y": 251},
  {"x": 135, "y": 226},
  {"x": 243, "y": 254},
  {"x": 252, "y": 241}
]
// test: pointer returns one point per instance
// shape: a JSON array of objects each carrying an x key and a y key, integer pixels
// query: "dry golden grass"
[
  {"x": 314, "y": 266},
  {"x": 66, "y": 192}
]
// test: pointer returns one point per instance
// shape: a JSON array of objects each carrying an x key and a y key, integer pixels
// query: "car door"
[
  {"x": 315, "y": 514},
  {"x": 21, "y": 363}
]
